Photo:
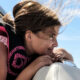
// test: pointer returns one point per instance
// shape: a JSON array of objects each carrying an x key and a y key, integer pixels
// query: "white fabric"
[{"x": 58, "y": 71}]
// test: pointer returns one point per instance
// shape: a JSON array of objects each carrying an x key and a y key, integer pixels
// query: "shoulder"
[
  {"x": 6, "y": 26},
  {"x": 3, "y": 34},
  {"x": 6, "y": 33}
]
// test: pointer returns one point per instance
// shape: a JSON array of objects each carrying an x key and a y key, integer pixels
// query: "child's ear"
[{"x": 28, "y": 35}]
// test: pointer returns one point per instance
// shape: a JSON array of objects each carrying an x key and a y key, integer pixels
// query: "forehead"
[{"x": 52, "y": 29}]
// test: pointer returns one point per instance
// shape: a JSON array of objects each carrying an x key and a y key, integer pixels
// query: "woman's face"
[{"x": 44, "y": 41}]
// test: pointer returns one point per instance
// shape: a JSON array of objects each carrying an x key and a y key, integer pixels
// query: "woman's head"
[{"x": 37, "y": 25}]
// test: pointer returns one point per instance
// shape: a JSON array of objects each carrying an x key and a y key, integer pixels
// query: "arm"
[
  {"x": 3, "y": 61},
  {"x": 30, "y": 71}
]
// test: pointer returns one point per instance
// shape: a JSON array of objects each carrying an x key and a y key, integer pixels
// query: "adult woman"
[{"x": 28, "y": 46}]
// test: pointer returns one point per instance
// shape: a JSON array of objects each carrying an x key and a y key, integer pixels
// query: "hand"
[
  {"x": 56, "y": 57},
  {"x": 41, "y": 61},
  {"x": 62, "y": 54}
]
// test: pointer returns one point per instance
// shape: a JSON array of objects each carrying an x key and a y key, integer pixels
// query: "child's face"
[{"x": 44, "y": 41}]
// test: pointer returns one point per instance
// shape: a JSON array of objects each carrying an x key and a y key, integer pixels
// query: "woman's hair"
[{"x": 30, "y": 15}]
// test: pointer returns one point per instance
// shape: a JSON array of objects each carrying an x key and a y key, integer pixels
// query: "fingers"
[{"x": 44, "y": 60}]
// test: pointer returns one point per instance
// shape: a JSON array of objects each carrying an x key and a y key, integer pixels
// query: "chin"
[
  {"x": 40, "y": 54},
  {"x": 30, "y": 54}
]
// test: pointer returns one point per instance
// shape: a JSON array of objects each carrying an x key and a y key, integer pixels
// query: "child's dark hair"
[{"x": 30, "y": 15}]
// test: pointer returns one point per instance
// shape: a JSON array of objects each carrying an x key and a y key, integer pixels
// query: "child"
[{"x": 26, "y": 42}]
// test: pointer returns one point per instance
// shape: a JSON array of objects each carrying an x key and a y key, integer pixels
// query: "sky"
[{"x": 69, "y": 39}]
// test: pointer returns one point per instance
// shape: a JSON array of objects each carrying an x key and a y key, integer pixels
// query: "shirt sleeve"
[{"x": 3, "y": 36}]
